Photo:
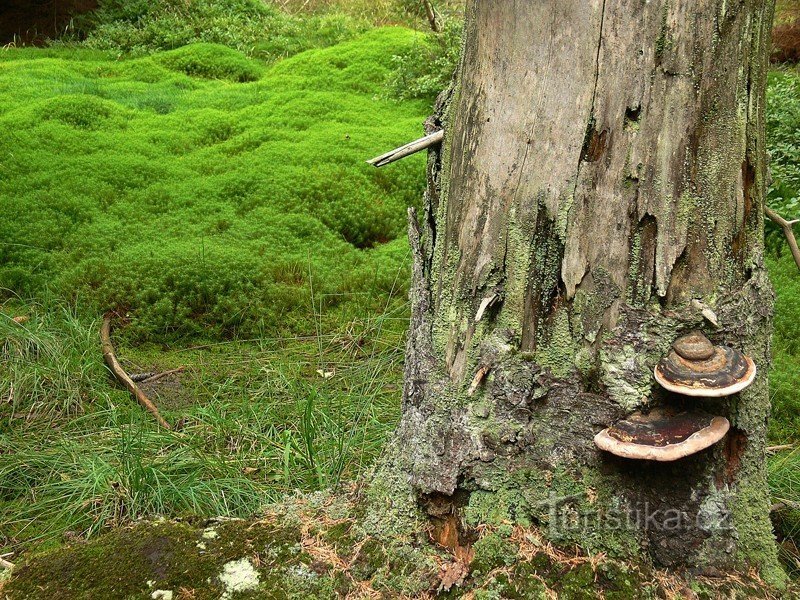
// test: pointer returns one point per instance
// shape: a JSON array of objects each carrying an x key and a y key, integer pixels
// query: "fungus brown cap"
[
  {"x": 662, "y": 435},
  {"x": 695, "y": 367}
]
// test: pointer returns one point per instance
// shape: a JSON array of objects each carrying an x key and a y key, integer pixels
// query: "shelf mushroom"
[
  {"x": 662, "y": 435},
  {"x": 695, "y": 367}
]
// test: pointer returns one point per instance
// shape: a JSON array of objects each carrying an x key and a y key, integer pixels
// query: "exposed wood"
[
  {"x": 476, "y": 381},
  {"x": 408, "y": 149},
  {"x": 119, "y": 373},
  {"x": 786, "y": 226}
]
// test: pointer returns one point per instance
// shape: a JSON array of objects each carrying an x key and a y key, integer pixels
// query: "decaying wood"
[
  {"x": 786, "y": 226},
  {"x": 407, "y": 149},
  {"x": 603, "y": 178},
  {"x": 119, "y": 373}
]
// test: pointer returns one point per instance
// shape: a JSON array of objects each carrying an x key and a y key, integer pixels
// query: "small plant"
[
  {"x": 426, "y": 69},
  {"x": 252, "y": 27}
]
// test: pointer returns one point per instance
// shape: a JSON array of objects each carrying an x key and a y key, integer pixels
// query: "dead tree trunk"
[{"x": 600, "y": 184}]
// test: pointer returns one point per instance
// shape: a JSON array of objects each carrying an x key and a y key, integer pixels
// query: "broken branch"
[
  {"x": 119, "y": 373},
  {"x": 430, "y": 12},
  {"x": 408, "y": 149},
  {"x": 786, "y": 226}
]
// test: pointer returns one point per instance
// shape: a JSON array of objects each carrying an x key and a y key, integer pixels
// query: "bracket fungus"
[
  {"x": 695, "y": 367},
  {"x": 662, "y": 435}
]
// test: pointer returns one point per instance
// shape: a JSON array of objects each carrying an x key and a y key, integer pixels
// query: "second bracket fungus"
[
  {"x": 695, "y": 367},
  {"x": 662, "y": 435}
]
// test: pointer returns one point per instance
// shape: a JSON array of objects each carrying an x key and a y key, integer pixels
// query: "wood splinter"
[
  {"x": 119, "y": 373},
  {"x": 485, "y": 303},
  {"x": 476, "y": 381},
  {"x": 408, "y": 149}
]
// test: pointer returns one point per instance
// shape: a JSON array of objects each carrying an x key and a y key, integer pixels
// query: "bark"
[{"x": 600, "y": 187}]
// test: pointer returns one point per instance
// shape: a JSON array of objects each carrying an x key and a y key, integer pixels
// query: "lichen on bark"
[{"x": 601, "y": 183}]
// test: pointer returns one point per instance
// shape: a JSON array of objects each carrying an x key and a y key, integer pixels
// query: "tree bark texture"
[{"x": 601, "y": 184}]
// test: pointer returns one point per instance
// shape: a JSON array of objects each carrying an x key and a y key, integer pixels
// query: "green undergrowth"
[
  {"x": 254, "y": 27},
  {"x": 167, "y": 189},
  {"x": 314, "y": 547},
  {"x": 783, "y": 123},
  {"x": 253, "y": 421}
]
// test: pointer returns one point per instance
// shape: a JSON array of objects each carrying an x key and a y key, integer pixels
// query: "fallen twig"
[
  {"x": 156, "y": 376},
  {"x": 408, "y": 149},
  {"x": 779, "y": 448},
  {"x": 6, "y": 564},
  {"x": 111, "y": 360},
  {"x": 139, "y": 377},
  {"x": 784, "y": 505},
  {"x": 786, "y": 226}
]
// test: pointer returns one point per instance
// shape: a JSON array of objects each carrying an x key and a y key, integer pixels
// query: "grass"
[{"x": 256, "y": 421}]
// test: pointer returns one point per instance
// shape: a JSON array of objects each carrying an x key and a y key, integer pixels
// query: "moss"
[
  {"x": 492, "y": 551},
  {"x": 369, "y": 559},
  {"x": 522, "y": 584},
  {"x": 557, "y": 352},
  {"x": 211, "y": 61},
  {"x": 287, "y": 556}
]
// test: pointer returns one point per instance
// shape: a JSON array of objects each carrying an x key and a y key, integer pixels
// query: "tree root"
[
  {"x": 119, "y": 373},
  {"x": 786, "y": 226}
]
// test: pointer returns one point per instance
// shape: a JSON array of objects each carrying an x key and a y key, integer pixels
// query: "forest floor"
[{"x": 215, "y": 196}]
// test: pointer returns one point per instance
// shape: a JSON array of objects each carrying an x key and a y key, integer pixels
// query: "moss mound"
[
  {"x": 156, "y": 187},
  {"x": 211, "y": 61}
]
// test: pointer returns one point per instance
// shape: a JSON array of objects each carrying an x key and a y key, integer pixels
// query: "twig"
[
  {"x": 6, "y": 564},
  {"x": 139, "y": 377},
  {"x": 787, "y": 231},
  {"x": 779, "y": 448},
  {"x": 113, "y": 364},
  {"x": 408, "y": 149},
  {"x": 784, "y": 505},
  {"x": 157, "y": 376},
  {"x": 430, "y": 12}
]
